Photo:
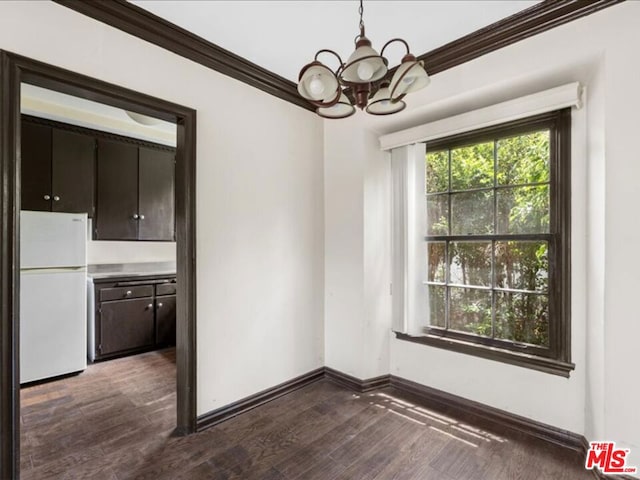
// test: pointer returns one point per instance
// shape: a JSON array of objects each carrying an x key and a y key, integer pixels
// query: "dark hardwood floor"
[{"x": 115, "y": 420}]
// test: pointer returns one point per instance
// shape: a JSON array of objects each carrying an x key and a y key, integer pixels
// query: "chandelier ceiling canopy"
[{"x": 362, "y": 81}]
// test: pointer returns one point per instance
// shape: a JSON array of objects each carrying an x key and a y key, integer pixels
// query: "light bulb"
[
  {"x": 365, "y": 70},
  {"x": 408, "y": 80},
  {"x": 316, "y": 86}
]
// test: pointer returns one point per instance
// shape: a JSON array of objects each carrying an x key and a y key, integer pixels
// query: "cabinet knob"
[
  {"x": 150, "y": 305},
  {"x": 129, "y": 292},
  {"x": 141, "y": 217},
  {"x": 47, "y": 197},
  {"x": 56, "y": 198},
  {"x": 135, "y": 216},
  {"x": 160, "y": 305}
]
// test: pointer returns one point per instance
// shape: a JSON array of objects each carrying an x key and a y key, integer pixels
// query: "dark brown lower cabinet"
[
  {"x": 166, "y": 320},
  {"x": 134, "y": 315},
  {"x": 126, "y": 325}
]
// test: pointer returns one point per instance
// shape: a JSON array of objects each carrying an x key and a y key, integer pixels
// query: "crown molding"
[
  {"x": 534, "y": 20},
  {"x": 139, "y": 22}
]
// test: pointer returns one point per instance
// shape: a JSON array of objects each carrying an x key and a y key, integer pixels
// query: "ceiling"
[
  {"x": 282, "y": 36},
  {"x": 43, "y": 103}
]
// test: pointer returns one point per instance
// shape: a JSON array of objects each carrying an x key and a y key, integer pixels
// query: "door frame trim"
[{"x": 15, "y": 69}]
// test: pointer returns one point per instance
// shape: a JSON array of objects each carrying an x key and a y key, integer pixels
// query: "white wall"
[
  {"x": 357, "y": 302},
  {"x": 102, "y": 251},
  {"x": 344, "y": 168},
  {"x": 259, "y": 199},
  {"x": 130, "y": 252},
  {"x": 600, "y": 398}
]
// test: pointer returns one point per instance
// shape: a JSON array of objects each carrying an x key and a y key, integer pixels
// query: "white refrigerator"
[{"x": 53, "y": 313}]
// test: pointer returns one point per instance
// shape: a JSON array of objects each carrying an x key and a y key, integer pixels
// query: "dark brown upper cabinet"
[
  {"x": 117, "y": 191},
  {"x": 135, "y": 192},
  {"x": 58, "y": 170},
  {"x": 156, "y": 196},
  {"x": 36, "y": 167},
  {"x": 73, "y": 172},
  {"x": 126, "y": 185}
]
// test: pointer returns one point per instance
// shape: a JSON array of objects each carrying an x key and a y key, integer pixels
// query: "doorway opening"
[{"x": 161, "y": 292}]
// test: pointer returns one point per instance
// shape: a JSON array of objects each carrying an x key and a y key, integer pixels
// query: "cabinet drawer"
[
  {"x": 120, "y": 293},
  {"x": 166, "y": 289}
]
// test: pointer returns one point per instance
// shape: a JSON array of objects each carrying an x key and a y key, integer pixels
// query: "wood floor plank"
[
  {"x": 372, "y": 463},
  {"x": 324, "y": 469},
  {"x": 60, "y": 466},
  {"x": 366, "y": 439},
  {"x": 413, "y": 459}
]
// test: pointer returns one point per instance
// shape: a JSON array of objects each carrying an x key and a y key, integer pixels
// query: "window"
[{"x": 497, "y": 241}]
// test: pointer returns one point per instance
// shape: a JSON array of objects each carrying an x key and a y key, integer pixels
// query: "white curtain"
[{"x": 409, "y": 253}]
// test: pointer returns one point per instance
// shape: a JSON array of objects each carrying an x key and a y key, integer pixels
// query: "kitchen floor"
[
  {"x": 83, "y": 425},
  {"x": 114, "y": 422}
]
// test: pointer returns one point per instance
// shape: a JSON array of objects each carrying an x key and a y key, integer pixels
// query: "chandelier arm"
[
  {"x": 328, "y": 104},
  {"x": 325, "y": 50},
  {"x": 392, "y": 41},
  {"x": 400, "y": 97}
]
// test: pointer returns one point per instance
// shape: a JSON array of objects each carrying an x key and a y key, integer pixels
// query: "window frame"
[{"x": 555, "y": 359}]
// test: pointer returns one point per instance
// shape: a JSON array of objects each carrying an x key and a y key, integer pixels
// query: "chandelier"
[{"x": 363, "y": 78}]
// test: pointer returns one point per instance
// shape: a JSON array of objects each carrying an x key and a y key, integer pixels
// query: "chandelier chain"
[{"x": 361, "y": 11}]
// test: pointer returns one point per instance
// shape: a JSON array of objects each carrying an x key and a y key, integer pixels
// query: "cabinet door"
[
  {"x": 166, "y": 320},
  {"x": 117, "y": 191},
  {"x": 156, "y": 195},
  {"x": 36, "y": 167},
  {"x": 73, "y": 172},
  {"x": 126, "y": 325}
]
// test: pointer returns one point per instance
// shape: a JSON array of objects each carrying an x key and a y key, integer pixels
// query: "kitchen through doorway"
[{"x": 101, "y": 296}]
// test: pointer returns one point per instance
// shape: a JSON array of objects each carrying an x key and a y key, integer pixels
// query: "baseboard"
[
  {"x": 525, "y": 425},
  {"x": 354, "y": 383},
  {"x": 219, "y": 415},
  {"x": 430, "y": 396}
]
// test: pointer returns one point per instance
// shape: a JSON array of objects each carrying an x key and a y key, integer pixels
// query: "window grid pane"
[
  {"x": 523, "y": 159},
  {"x": 493, "y": 285},
  {"x": 449, "y": 206},
  {"x": 474, "y": 306}
]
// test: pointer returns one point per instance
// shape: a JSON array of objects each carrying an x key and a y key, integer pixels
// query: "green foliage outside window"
[{"x": 490, "y": 287}]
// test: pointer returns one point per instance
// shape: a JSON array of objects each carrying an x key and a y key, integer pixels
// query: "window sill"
[{"x": 542, "y": 364}]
